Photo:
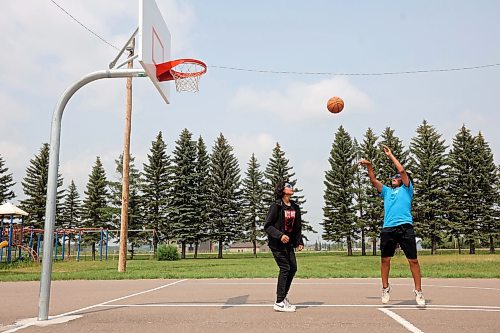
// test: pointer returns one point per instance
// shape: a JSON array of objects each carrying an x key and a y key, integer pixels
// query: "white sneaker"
[
  {"x": 386, "y": 296},
  {"x": 419, "y": 297},
  {"x": 287, "y": 303},
  {"x": 282, "y": 307}
]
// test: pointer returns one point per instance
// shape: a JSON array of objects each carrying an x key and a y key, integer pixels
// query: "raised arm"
[
  {"x": 404, "y": 176},
  {"x": 375, "y": 182}
]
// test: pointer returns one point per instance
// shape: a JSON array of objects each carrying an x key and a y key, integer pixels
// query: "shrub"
[{"x": 167, "y": 252}]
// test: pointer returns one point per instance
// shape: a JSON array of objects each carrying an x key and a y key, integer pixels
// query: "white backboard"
[{"x": 153, "y": 44}]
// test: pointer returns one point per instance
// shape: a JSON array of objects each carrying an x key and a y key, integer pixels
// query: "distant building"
[
  {"x": 247, "y": 247},
  {"x": 203, "y": 247}
]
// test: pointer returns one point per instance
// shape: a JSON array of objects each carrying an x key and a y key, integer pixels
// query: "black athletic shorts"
[{"x": 404, "y": 235}]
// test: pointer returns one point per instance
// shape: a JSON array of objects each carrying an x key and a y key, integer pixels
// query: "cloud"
[
  {"x": 180, "y": 18},
  {"x": 36, "y": 68},
  {"x": 15, "y": 155},
  {"x": 300, "y": 101},
  {"x": 313, "y": 168},
  {"x": 260, "y": 144},
  {"x": 67, "y": 50},
  {"x": 79, "y": 167},
  {"x": 12, "y": 112}
]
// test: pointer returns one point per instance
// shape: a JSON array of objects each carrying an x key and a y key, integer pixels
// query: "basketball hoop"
[{"x": 185, "y": 72}]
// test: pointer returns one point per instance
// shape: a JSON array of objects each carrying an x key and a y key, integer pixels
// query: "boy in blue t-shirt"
[{"x": 398, "y": 225}]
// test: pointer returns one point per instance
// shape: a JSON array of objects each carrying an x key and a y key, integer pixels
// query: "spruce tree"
[
  {"x": 184, "y": 190},
  {"x": 71, "y": 208},
  {"x": 373, "y": 213},
  {"x": 277, "y": 169},
  {"x": 360, "y": 199},
  {"x": 156, "y": 187},
  {"x": 35, "y": 189},
  {"x": 135, "y": 236},
  {"x": 71, "y": 211},
  {"x": 202, "y": 195},
  {"x": 463, "y": 188},
  {"x": 429, "y": 161},
  {"x": 339, "y": 221},
  {"x": 253, "y": 203},
  {"x": 96, "y": 210},
  {"x": 487, "y": 200},
  {"x": 496, "y": 207},
  {"x": 226, "y": 194},
  {"x": 6, "y": 183},
  {"x": 387, "y": 168}
]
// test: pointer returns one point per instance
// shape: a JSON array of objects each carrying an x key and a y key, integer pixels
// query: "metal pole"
[
  {"x": 63, "y": 244},
  {"x": 50, "y": 207},
  {"x": 38, "y": 241},
  {"x": 57, "y": 241},
  {"x": 122, "y": 254},
  {"x": 21, "y": 239},
  {"x": 79, "y": 241},
  {"x": 31, "y": 237},
  {"x": 107, "y": 231},
  {"x": 1, "y": 238},
  {"x": 100, "y": 244},
  {"x": 11, "y": 233}
]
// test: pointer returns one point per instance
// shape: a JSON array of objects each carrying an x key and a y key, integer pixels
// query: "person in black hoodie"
[{"x": 284, "y": 229}]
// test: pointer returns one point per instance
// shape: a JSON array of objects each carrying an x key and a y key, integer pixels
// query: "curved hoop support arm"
[{"x": 50, "y": 206}]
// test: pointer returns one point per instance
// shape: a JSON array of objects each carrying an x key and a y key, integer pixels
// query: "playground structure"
[
  {"x": 22, "y": 243},
  {"x": 11, "y": 236}
]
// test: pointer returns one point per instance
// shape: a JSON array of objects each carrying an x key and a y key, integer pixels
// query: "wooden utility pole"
[{"x": 122, "y": 257}]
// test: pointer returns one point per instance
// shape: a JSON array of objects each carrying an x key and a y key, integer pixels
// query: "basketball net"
[{"x": 186, "y": 76}]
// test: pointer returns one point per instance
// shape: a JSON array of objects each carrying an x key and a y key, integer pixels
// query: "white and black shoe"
[
  {"x": 419, "y": 297},
  {"x": 386, "y": 296},
  {"x": 283, "y": 307},
  {"x": 287, "y": 303}
]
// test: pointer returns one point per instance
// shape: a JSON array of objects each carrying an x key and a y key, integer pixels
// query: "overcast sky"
[{"x": 44, "y": 51}]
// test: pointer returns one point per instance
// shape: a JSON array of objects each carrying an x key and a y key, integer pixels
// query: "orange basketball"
[{"x": 335, "y": 104}]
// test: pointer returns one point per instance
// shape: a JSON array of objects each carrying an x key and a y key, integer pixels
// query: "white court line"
[
  {"x": 341, "y": 283},
  {"x": 403, "y": 307},
  {"x": 462, "y": 287},
  {"x": 406, "y": 324},
  {"x": 451, "y": 309},
  {"x": 35, "y": 321}
]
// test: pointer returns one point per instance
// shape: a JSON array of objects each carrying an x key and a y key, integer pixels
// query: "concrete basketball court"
[{"x": 245, "y": 305}]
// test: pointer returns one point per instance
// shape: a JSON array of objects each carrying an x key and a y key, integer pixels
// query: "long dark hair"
[{"x": 278, "y": 189}]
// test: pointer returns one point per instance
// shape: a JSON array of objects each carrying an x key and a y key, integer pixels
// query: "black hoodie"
[{"x": 275, "y": 226}]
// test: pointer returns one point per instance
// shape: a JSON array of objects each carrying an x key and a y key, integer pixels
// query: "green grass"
[{"x": 311, "y": 265}]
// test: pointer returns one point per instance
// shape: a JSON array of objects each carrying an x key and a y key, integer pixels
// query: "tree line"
[
  {"x": 193, "y": 196},
  {"x": 456, "y": 188},
  {"x": 189, "y": 196}
]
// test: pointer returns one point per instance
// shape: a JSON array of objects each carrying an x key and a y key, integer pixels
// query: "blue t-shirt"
[{"x": 397, "y": 205}]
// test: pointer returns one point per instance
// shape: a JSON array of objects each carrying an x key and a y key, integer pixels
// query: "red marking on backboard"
[{"x": 156, "y": 38}]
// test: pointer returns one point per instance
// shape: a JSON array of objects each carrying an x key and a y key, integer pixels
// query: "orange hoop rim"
[{"x": 166, "y": 72}]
